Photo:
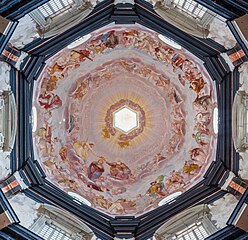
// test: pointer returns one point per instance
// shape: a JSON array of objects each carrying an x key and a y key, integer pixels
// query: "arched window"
[
  {"x": 56, "y": 16},
  {"x": 240, "y": 121},
  {"x": 79, "y": 41},
  {"x": 52, "y": 232},
  {"x": 169, "y": 41},
  {"x": 8, "y": 120},
  {"x": 34, "y": 119},
  {"x": 187, "y": 15},
  {"x": 216, "y": 120},
  {"x": 169, "y": 199},
  {"x": 196, "y": 231},
  {"x": 79, "y": 199},
  {"x": 56, "y": 224},
  {"x": 191, "y": 7},
  {"x": 55, "y": 7},
  {"x": 191, "y": 224}
]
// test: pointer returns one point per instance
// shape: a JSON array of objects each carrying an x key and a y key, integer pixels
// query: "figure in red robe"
[
  {"x": 96, "y": 169},
  {"x": 49, "y": 101}
]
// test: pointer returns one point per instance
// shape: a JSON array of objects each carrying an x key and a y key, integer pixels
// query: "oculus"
[
  {"x": 79, "y": 41},
  {"x": 79, "y": 198},
  {"x": 169, "y": 199},
  {"x": 34, "y": 119},
  {"x": 169, "y": 41},
  {"x": 125, "y": 119},
  {"x": 122, "y": 117}
]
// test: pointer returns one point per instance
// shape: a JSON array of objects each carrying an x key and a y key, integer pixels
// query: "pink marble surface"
[{"x": 118, "y": 175}]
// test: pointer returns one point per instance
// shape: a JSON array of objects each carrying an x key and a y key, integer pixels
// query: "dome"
[{"x": 123, "y": 120}]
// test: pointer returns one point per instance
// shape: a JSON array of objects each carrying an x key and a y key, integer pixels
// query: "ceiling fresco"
[{"x": 124, "y": 120}]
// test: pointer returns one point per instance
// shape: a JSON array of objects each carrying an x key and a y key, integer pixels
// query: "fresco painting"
[{"x": 77, "y": 143}]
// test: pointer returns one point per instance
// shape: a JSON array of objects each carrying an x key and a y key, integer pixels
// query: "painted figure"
[
  {"x": 79, "y": 56},
  {"x": 157, "y": 159},
  {"x": 197, "y": 84},
  {"x": 178, "y": 61},
  {"x": 105, "y": 133},
  {"x": 190, "y": 167},
  {"x": 129, "y": 37},
  {"x": 156, "y": 187},
  {"x": 176, "y": 180},
  {"x": 197, "y": 154},
  {"x": 162, "y": 82},
  {"x": 161, "y": 55},
  {"x": 71, "y": 123},
  {"x": 56, "y": 68},
  {"x": 49, "y": 84},
  {"x": 181, "y": 79},
  {"x": 203, "y": 102},
  {"x": 191, "y": 72},
  {"x": 174, "y": 96},
  {"x": 124, "y": 144},
  {"x": 119, "y": 170},
  {"x": 45, "y": 133},
  {"x": 81, "y": 90},
  {"x": 116, "y": 207},
  {"x": 49, "y": 101},
  {"x": 96, "y": 169},
  {"x": 101, "y": 201},
  {"x": 203, "y": 118},
  {"x": 109, "y": 39},
  {"x": 63, "y": 153},
  {"x": 82, "y": 149},
  {"x": 100, "y": 184},
  {"x": 118, "y": 191},
  {"x": 202, "y": 137},
  {"x": 73, "y": 119},
  {"x": 59, "y": 70}
]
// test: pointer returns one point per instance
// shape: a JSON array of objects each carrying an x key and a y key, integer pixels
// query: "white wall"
[
  {"x": 4, "y": 76},
  {"x": 25, "y": 209},
  {"x": 4, "y": 165},
  {"x": 222, "y": 209},
  {"x": 220, "y": 33},
  {"x": 24, "y": 33},
  {"x": 243, "y": 70}
]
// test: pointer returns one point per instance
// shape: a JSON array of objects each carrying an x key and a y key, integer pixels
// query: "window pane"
[
  {"x": 46, "y": 11},
  {"x": 197, "y": 10},
  {"x": 203, "y": 231},
  {"x": 181, "y": 2},
  {"x": 201, "y": 13},
  {"x": 192, "y": 236},
  {"x": 187, "y": 4},
  {"x": 187, "y": 237},
  {"x": 55, "y": 7},
  {"x": 191, "y": 7},
  {"x": 193, "y": 232},
  {"x": 51, "y": 232}
]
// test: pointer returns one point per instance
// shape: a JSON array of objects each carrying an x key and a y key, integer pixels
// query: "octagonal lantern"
[{"x": 125, "y": 119}]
